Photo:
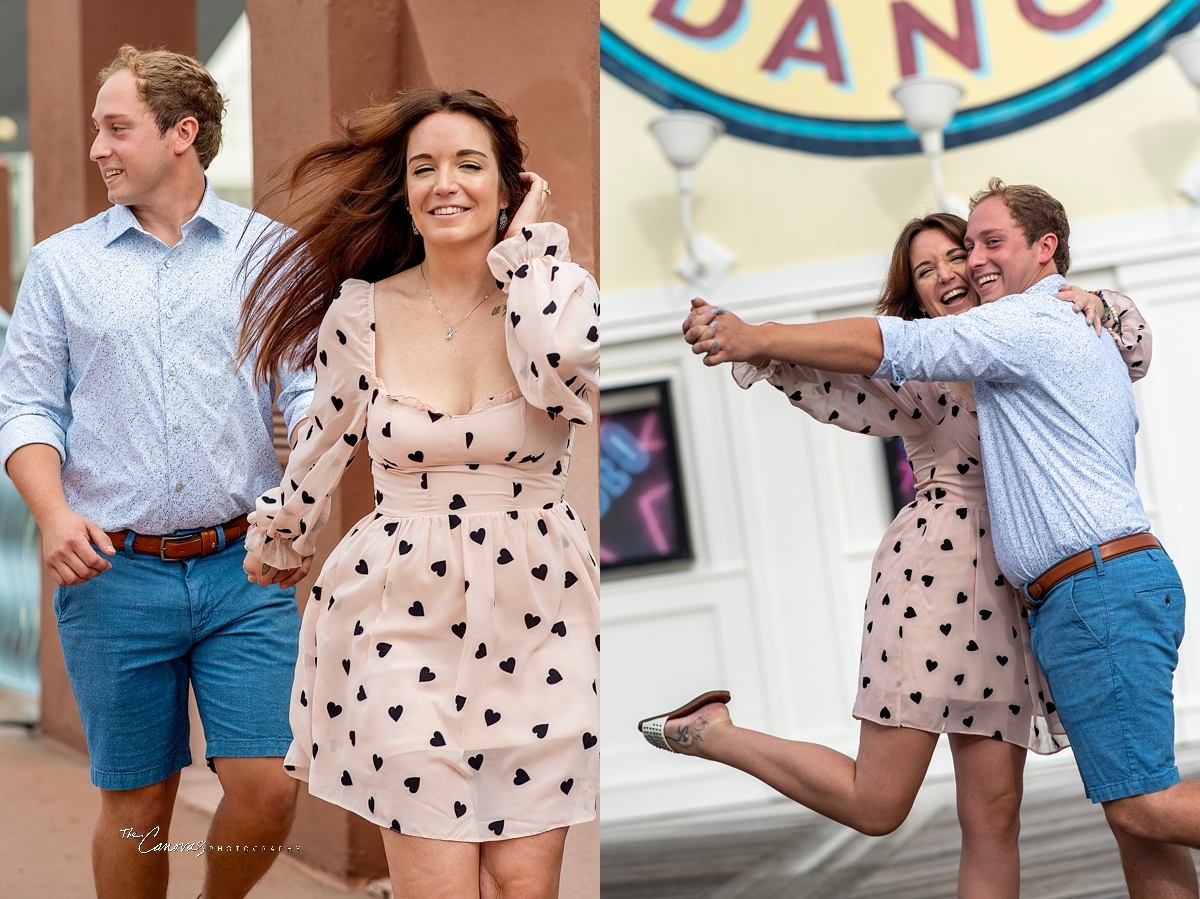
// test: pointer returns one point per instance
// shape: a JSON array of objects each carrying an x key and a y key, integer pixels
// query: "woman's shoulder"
[{"x": 351, "y": 310}]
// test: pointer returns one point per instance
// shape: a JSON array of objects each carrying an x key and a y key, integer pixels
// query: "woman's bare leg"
[
  {"x": 872, "y": 793},
  {"x": 521, "y": 868},
  {"x": 989, "y": 781},
  {"x": 431, "y": 869},
  {"x": 524, "y": 868}
]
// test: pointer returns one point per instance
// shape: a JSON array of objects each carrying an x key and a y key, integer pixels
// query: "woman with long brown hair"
[
  {"x": 945, "y": 645},
  {"x": 456, "y": 627}
]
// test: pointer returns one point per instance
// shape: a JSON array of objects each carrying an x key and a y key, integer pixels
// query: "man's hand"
[
  {"x": 67, "y": 540},
  {"x": 720, "y": 335}
]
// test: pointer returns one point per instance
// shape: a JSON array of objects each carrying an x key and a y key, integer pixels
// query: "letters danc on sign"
[{"x": 816, "y": 75}]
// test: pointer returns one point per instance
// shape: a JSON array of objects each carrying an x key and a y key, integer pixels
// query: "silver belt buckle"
[{"x": 162, "y": 548}]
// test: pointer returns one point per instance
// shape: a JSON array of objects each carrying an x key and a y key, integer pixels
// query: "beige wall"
[{"x": 1121, "y": 153}]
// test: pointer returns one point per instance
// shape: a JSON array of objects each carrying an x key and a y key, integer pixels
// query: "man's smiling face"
[{"x": 1002, "y": 262}]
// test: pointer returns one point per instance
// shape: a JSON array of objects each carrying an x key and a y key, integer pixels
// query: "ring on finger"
[{"x": 716, "y": 346}]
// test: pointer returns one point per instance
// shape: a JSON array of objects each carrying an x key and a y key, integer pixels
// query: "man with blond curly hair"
[{"x": 127, "y": 430}]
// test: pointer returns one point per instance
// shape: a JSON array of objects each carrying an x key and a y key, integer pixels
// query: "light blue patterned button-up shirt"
[
  {"x": 1056, "y": 420},
  {"x": 119, "y": 355}
]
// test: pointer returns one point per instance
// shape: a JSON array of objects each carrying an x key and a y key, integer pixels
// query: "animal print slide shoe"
[{"x": 652, "y": 728}]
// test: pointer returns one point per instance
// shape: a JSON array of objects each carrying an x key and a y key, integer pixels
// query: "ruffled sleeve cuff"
[
  {"x": 264, "y": 540},
  {"x": 745, "y": 374}
]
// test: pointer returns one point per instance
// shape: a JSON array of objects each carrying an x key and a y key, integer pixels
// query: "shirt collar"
[
  {"x": 1049, "y": 284},
  {"x": 212, "y": 210}
]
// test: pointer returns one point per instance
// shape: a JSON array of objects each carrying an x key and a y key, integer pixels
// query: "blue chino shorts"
[
  {"x": 134, "y": 635},
  {"x": 1107, "y": 640}
]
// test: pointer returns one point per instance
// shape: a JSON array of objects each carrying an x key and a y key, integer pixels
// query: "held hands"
[
  {"x": 533, "y": 207},
  {"x": 719, "y": 335},
  {"x": 67, "y": 541},
  {"x": 259, "y": 572},
  {"x": 1086, "y": 302}
]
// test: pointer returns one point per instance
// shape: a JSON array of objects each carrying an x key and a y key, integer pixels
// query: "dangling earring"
[
  {"x": 503, "y": 220},
  {"x": 412, "y": 221}
]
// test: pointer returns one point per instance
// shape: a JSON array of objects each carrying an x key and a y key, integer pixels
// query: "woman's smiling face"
[
  {"x": 453, "y": 180},
  {"x": 939, "y": 272}
]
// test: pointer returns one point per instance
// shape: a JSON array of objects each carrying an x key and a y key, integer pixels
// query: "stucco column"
[
  {"x": 69, "y": 42},
  {"x": 316, "y": 59}
]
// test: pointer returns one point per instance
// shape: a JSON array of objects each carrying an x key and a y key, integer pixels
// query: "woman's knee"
[
  {"x": 508, "y": 884},
  {"x": 990, "y": 813},
  {"x": 524, "y": 867},
  {"x": 881, "y": 818}
]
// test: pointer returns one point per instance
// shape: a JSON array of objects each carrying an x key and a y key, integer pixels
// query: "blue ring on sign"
[{"x": 892, "y": 137}]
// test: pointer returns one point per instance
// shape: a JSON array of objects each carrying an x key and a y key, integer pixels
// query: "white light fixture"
[
  {"x": 928, "y": 103},
  {"x": 1186, "y": 50},
  {"x": 684, "y": 137}
]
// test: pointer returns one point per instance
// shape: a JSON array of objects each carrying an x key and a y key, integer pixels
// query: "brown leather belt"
[
  {"x": 1082, "y": 561},
  {"x": 189, "y": 546}
]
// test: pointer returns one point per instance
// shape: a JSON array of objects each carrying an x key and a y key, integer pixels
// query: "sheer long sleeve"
[
  {"x": 1130, "y": 331},
  {"x": 553, "y": 325},
  {"x": 851, "y": 402},
  {"x": 287, "y": 519}
]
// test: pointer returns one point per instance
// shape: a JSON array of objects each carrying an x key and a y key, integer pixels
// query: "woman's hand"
[
  {"x": 533, "y": 207},
  {"x": 1086, "y": 302},
  {"x": 720, "y": 335},
  {"x": 259, "y": 572}
]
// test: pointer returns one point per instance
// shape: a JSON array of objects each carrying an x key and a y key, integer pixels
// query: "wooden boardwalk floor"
[{"x": 782, "y": 851}]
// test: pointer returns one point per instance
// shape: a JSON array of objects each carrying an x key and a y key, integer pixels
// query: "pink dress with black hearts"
[{"x": 446, "y": 682}]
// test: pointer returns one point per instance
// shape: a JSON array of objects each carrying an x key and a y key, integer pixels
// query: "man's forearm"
[
  {"x": 36, "y": 472},
  {"x": 851, "y": 346}
]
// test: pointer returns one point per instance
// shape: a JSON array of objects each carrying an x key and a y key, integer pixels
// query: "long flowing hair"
[
  {"x": 899, "y": 294},
  {"x": 346, "y": 201}
]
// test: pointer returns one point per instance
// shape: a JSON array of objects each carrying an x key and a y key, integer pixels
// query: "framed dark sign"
[
  {"x": 900, "y": 473},
  {"x": 642, "y": 516}
]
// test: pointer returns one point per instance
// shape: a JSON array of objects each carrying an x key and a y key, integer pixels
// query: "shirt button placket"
[{"x": 168, "y": 313}]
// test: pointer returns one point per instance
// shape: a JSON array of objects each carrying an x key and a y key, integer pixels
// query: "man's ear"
[
  {"x": 183, "y": 135},
  {"x": 1047, "y": 246}
]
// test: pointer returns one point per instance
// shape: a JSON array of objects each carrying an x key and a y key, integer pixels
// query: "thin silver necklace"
[{"x": 449, "y": 328}]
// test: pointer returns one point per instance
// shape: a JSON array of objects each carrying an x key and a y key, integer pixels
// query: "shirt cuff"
[
  {"x": 297, "y": 409},
  {"x": 30, "y": 428},
  {"x": 890, "y": 329}
]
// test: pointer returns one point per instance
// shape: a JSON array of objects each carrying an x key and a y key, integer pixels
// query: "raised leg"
[
  {"x": 259, "y": 804},
  {"x": 1155, "y": 870},
  {"x": 132, "y": 823},
  {"x": 989, "y": 785},
  {"x": 872, "y": 793}
]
